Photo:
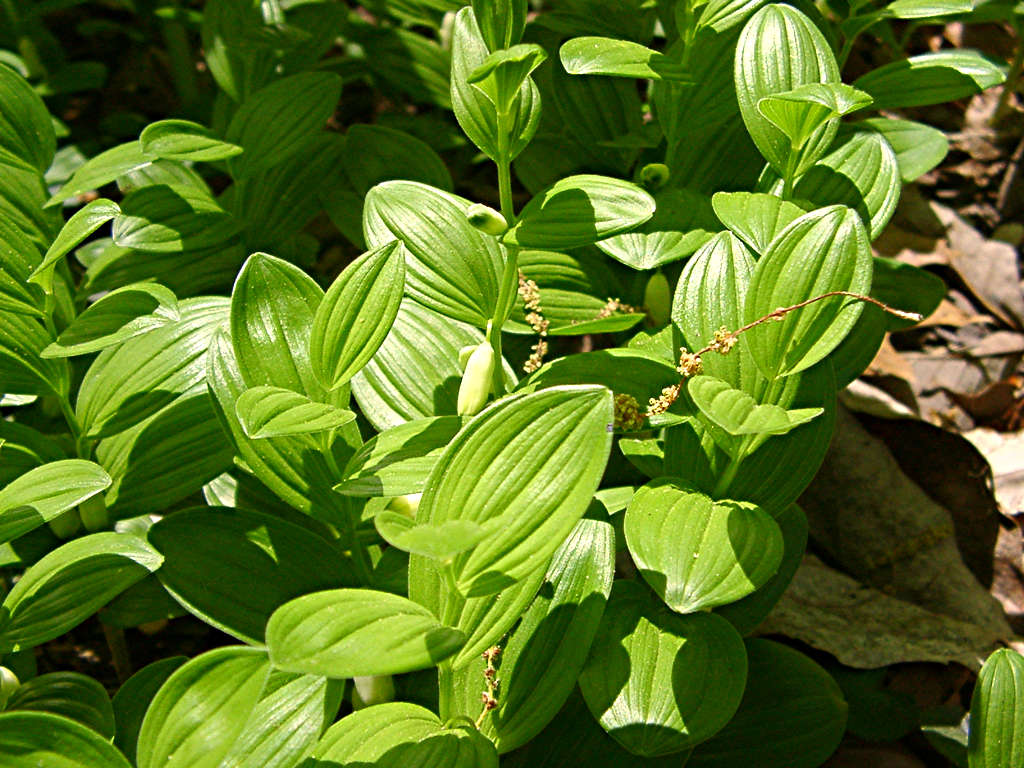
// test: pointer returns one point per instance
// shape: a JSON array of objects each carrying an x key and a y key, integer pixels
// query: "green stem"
[
  {"x": 510, "y": 273},
  {"x": 790, "y": 175}
]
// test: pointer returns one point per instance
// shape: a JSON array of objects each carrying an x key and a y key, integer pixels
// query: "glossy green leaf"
[
  {"x": 274, "y": 122},
  {"x": 697, "y": 553},
  {"x": 214, "y": 555},
  {"x": 376, "y": 153},
  {"x": 534, "y": 460},
  {"x": 103, "y": 169},
  {"x": 164, "y": 218},
  {"x": 131, "y": 382},
  {"x": 997, "y": 713},
  {"x": 42, "y": 740},
  {"x": 660, "y": 683},
  {"x": 740, "y": 414},
  {"x": 70, "y": 584},
  {"x": 501, "y": 21},
  {"x": 23, "y": 371},
  {"x": 203, "y": 707},
  {"x": 618, "y": 58},
  {"x": 68, "y": 694},
  {"x": 80, "y": 226},
  {"x": 756, "y": 218},
  {"x": 400, "y": 734},
  {"x": 800, "y": 112},
  {"x": 918, "y": 147},
  {"x": 350, "y": 632},
  {"x": 185, "y": 140},
  {"x": 398, "y": 460},
  {"x": 356, "y": 314},
  {"x": 44, "y": 493},
  {"x": 793, "y": 715},
  {"x": 501, "y": 75},
  {"x": 438, "y": 542},
  {"x": 927, "y": 9},
  {"x": 580, "y": 210},
  {"x": 276, "y": 412},
  {"x": 931, "y": 78},
  {"x": 780, "y": 50},
  {"x": 26, "y": 129},
  {"x": 133, "y": 699},
  {"x": 822, "y": 251},
  {"x": 450, "y": 266},
  {"x": 116, "y": 317}
]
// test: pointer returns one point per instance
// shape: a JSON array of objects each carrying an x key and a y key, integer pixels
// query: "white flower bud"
[
  {"x": 476, "y": 381},
  {"x": 486, "y": 219},
  {"x": 373, "y": 689}
]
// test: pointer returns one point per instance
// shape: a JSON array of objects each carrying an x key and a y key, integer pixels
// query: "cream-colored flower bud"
[
  {"x": 654, "y": 175},
  {"x": 486, "y": 219},
  {"x": 373, "y": 689},
  {"x": 9, "y": 683},
  {"x": 658, "y": 299},
  {"x": 66, "y": 525},
  {"x": 406, "y": 505},
  {"x": 476, "y": 381}
]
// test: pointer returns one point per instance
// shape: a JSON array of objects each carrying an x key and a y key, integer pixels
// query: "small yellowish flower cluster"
[
  {"x": 627, "y": 414},
  {"x": 530, "y": 294},
  {"x": 613, "y": 306},
  {"x": 658, "y": 405},
  {"x": 489, "y": 697}
]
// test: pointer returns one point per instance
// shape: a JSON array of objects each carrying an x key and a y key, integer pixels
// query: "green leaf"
[
  {"x": 164, "y": 218},
  {"x": 274, "y": 123},
  {"x": 450, "y": 266},
  {"x": 501, "y": 21},
  {"x": 580, "y": 210},
  {"x": 398, "y": 460},
  {"x": 376, "y": 153},
  {"x": 800, "y": 112},
  {"x": 349, "y": 632},
  {"x": 931, "y": 78},
  {"x": 618, "y": 58},
  {"x": 501, "y": 75},
  {"x": 356, "y": 314},
  {"x": 116, "y": 317},
  {"x": 26, "y": 129},
  {"x": 779, "y": 50},
  {"x": 69, "y": 694},
  {"x": 23, "y": 372},
  {"x": 438, "y": 542},
  {"x": 214, "y": 555},
  {"x": 70, "y": 584},
  {"x": 822, "y": 251},
  {"x": 275, "y": 412},
  {"x": 78, "y": 227},
  {"x": 185, "y": 140},
  {"x": 133, "y": 699},
  {"x": 755, "y": 217},
  {"x": 129, "y": 383},
  {"x": 997, "y": 713},
  {"x": 399, "y": 734},
  {"x": 927, "y": 9},
  {"x": 42, "y": 740},
  {"x": 203, "y": 707},
  {"x": 697, "y": 553},
  {"x": 918, "y": 147},
  {"x": 792, "y": 715},
  {"x": 45, "y": 493},
  {"x": 660, "y": 683},
  {"x": 103, "y": 169},
  {"x": 535, "y": 460},
  {"x": 740, "y": 414}
]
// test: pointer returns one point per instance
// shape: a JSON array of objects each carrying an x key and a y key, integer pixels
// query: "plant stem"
[{"x": 118, "y": 651}]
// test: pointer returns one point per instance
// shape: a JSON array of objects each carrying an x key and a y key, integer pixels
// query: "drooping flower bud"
[
  {"x": 476, "y": 381},
  {"x": 372, "y": 689},
  {"x": 406, "y": 505},
  {"x": 66, "y": 525},
  {"x": 658, "y": 299},
  {"x": 486, "y": 219},
  {"x": 93, "y": 512},
  {"x": 9, "y": 683},
  {"x": 654, "y": 175}
]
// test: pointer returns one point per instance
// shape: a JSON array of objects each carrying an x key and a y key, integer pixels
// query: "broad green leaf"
[
  {"x": 165, "y": 218},
  {"x": 822, "y": 251},
  {"x": 185, "y": 140},
  {"x": 349, "y": 632},
  {"x": 273, "y": 306},
  {"x": 793, "y": 715},
  {"x": 535, "y": 460},
  {"x": 276, "y": 412},
  {"x": 26, "y": 129},
  {"x": 116, "y": 317},
  {"x": 229, "y": 31},
  {"x": 80, "y": 226},
  {"x": 927, "y": 9},
  {"x": 42, "y": 740},
  {"x": 70, "y": 584},
  {"x": 918, "y": 147},
  {"x": 779, "y": 50},
  {"x": 580, "y": 210},
  {"x": 356, "y": 314},
  {"x": 723, "y": 15},
  {"x": 997, "y": 713},
  {"x": 142, "y": 603},
  {"x": 398, "y": 734},
  {"x": 127, "y": 384},
  {"x": 103, "y": 169},
  {"x": 660, "y": 683},
  {"x": 68, "y": 694},
  {"x": 202, "y": 708},
  {"x": 405, "y": 61},
  {"x": 800, "y": 112},
  {"x": 438, "y": 542},
  {"x": 45, "y": 493},
  {"x": 754, "y": 216},
  {"x": 860, "y": 171},
  {"x": 273, "y": 123},
  {"x": 697, "y": 553},
  {"x": 398, "y": 460},
  {"x": 15, "y": 296},
  {"x": 214, "y": 555},
  {"x": 450, "y": 266},
  {"x": 376, "y": 153},
  {"x": 931, "y": 78},
  {"x": 133, "y": 699},
  {"x": 22, "y": 198},
  {"x": 546, "y": 651},
  {"x": 501, "y": 21},
  {"x": 740, "y": 414},
  {"x": 618, "y": 58},
  {"x": 501, "y": 75}
]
